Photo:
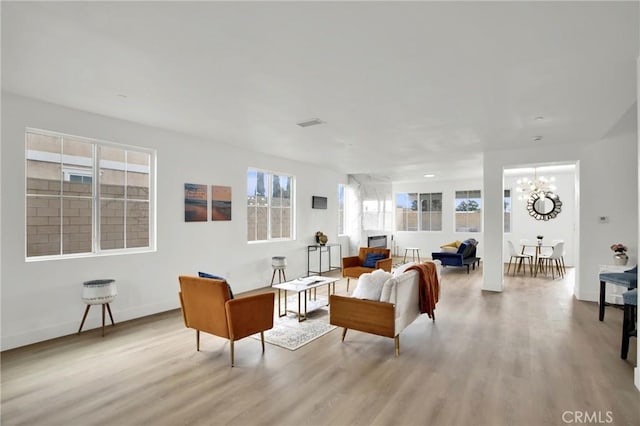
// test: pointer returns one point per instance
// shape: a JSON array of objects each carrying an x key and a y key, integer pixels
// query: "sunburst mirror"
[{"x": 544, "y": 208}]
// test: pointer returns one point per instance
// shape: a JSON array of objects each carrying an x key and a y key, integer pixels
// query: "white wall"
[
  {"x": 607, "y": 186},
  {"x": 430, "y": 241},
  {"x": 562, "y": 227},
  {"x": 41, "y": 300}
]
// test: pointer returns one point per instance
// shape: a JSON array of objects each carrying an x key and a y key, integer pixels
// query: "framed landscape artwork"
[
  {"x": 220, "y": 202},
  {"x": 195, "y": 202}
]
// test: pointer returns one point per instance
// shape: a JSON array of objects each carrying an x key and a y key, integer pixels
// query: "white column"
[{"x": 493, "y": 226}]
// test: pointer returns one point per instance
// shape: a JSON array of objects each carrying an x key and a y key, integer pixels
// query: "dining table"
[{"x": 537, "y": 251}]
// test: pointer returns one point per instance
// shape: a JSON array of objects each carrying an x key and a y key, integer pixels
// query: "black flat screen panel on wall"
[{"x": 318, "y": 202}]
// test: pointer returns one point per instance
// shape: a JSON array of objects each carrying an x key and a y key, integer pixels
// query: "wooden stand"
[{"x": 86, "y": 311}]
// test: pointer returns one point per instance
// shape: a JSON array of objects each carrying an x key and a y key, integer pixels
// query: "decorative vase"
[
  {"x": 321, "y": 238},
  {"x": 620, "y": 258}
]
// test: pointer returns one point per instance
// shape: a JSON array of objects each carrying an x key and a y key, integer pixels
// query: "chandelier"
[{"x": 539, "y": 185}]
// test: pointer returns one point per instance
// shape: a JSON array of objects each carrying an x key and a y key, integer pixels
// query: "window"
[
  {"x": 377, "y": 214},
  {"x": 85, "y": 196},
  {"x": 431, "y": 212},
  {"x": 468, "y": 211},
  {"x": 341, "y": 217},
  {"x": 269, "y": 206},
  {"x": 425, "y": 215},
  {"x": 406, "y": 212},
  {"x": 507, "y": 210}
]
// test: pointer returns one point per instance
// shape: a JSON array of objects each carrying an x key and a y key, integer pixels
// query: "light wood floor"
[{"x": 521, "y": 357}]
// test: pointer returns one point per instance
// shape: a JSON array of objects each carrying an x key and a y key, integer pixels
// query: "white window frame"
[
  {"x": 419, "y": 212},
  {"x": 269, "y": 190},
  {"x": 342, "y": 209},
  {"x": 455, "y": 211},
  {"x": 67, "y": 171},
  {"x": 405, "y": 220}
]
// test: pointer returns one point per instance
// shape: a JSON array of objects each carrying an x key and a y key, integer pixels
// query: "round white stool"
[
  {"x": 415, "y": 251},
  {"x": 278, "y": 263},
  {"x": 98, "y": 292}
]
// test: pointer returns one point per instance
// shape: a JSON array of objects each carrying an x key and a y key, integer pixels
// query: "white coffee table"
[{"x": 301, "y": 286}]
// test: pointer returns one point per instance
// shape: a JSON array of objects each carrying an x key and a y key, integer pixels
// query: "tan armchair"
[
  {"x": 352, "y": 265},
  {"x": 207, "y": 306}
]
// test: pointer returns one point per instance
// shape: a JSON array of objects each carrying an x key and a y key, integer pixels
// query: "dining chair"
[
  {"x": 554, "y": 242},
  {"x": 552, "y": 260},
  {"x": 519, "y": 260}
]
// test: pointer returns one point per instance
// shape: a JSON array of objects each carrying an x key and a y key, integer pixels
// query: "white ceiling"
[{"x": 404, "y": 88}]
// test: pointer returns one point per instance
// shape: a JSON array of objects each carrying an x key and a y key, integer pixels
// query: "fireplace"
[{"x": 377, "y": 241}]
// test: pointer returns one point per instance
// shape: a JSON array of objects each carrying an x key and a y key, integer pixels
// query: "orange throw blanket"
[{"x": 429, "y": 287}]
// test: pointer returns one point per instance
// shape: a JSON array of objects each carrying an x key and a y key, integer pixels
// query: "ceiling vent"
[{"x": 310, "y": 122}]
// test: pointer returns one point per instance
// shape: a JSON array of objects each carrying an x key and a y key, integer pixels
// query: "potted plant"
[
  {"x": 539, "y": 237},
  {"x": 619, "y": 254}
]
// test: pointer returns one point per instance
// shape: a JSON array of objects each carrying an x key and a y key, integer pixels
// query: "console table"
[
  {"x": 623, "y": 282},
  {"x": 320, "y": 249},
  {"x": 613, "y": 293}
]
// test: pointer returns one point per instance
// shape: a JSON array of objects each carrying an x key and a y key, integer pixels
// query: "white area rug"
[{"x": 290, "y": 334}]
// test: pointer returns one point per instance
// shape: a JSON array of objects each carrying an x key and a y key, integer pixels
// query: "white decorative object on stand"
[
  {"x": 98, "y": 292},
  {"x": 278, "y": 263}
]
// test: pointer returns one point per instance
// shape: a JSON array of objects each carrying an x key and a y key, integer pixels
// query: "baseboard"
[
  {"x": 94, "y": 320},
  {"x": 588, "y": 296}
]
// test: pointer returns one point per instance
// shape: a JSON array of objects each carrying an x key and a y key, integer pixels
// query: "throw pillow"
[
  {"x": 400, "y": 269},
  {"x": 216, "y": 277},
  {"x": 462, "y": 247},
  {"x": 448, "y": 249},
  {"x": 455, "y": 244},
  {"x": 387, "y": 289},
  {"x": 471, "y": 241},
  {"x": 469, "y": 251},
  {"x": 370, "y": 285},
  {"x": 372, "y": 258}
]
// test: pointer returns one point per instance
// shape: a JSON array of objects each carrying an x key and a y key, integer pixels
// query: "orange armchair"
[
  {"x": 207, "y": 306},
  {"x": 352, "y": 266}
]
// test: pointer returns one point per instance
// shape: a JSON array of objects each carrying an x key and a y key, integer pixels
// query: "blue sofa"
[{"x": 465, "y": 256}]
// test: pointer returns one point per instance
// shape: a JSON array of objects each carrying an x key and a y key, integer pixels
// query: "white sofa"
[{"x": 397, "y": 307}]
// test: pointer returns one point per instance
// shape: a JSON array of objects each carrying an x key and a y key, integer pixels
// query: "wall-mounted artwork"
[
  {"x": 220, "y": 202},
  {"x": 195, "y": 202}
]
